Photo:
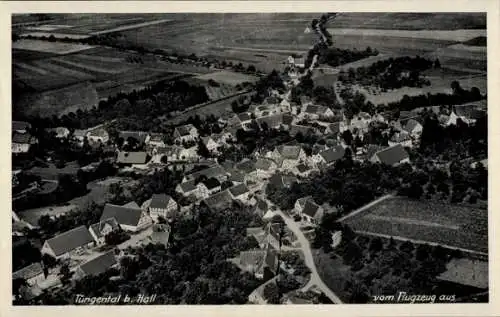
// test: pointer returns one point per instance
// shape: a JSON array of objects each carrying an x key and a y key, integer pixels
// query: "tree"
[
  {"x": 347, "y": 136},
  {"x": 116, "y": 237},
  {"x": 48, "y": 260},
  {"x": 251, "y": 69},
  {"x": 202, "y": 149},
  {"x": 272, "y": 293},
  {"x": 65, "y": 274},
  {"x": 437, "y": 63}
]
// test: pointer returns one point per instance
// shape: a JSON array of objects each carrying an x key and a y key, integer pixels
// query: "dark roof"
[
  {"x": 333, "y": 154},
  {"x": 310, "y": 208},
  {"x": 211, "y": 183},
  {"x": 29, "y": 271},
  {"x": 70, "y": 240},
  {"x": 138, "y": 135},
  {"x": 220, "y": 201},
  {"x": 123, "y": 215},
  {"x": 132, "y": 157},
  {"x": 156, "y": 137},
  {"x": 159, "y": 201},
  {"x": 161, "y": 233},
  {"x": 244, "y": 116},
  {"x": 97, "y": 227},
  {"x": 272, "y": 121},
  {"x": 295, "y": 129},
  {"x": 335, "y": 127},
  {"x": 247, "y": 166},
  {"x": 99, "y": 264},
  {"x": 312, "y": 109},
  {"x": 469, "y": 112},
  {"x": 261, "y": 204},
  {"x": 184, "y": 129},
  {"x": 20, "y": 125},
  {"x": 410, "y": 125},
  {"x": 290, "y": 152},
  {"x": 213, "y": 171},
  {"x": 237, "y": 176},
  {"x": 238, "y": 190},
  {"x": 188, "y": 186},
  {"x": 392, "y": 155},
  {"x": 263, "y": 163},
  {"x": 276, "y": 180},
  {"x": 303, "y": 168},
  {"x": 22, "y": 138},
  {"x": 287, "y": 119}
]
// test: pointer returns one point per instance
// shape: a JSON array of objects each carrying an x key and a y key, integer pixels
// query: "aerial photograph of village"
[{"x": 249, "y": 158}]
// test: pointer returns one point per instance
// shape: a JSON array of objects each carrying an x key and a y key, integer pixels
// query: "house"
[
  {"x": 98, "y": 135},
  {"x": 303, "y": 170},
  {"x": 288, "y": 155},
  {"x": 79, "y": 136},
  {"x": 141, "y": 137},
  {"x": 69, "y": 243},
  {"x": 220, "y": 201},
  {"x": 210, "y": 143},
  {"x": 361, "y": 122},
  {"x": 402, "y": 138},
  {"x": 413, "y": 127},
  {"x": 132, "y": 159},
  {"x": 102, "y": 228},
  {"x": 295, "y": 300},
  {"x": 156, "y": 140},
  {"x": 97, "y": 265},
  {"x": 162, "y": 205},
  {"x": 189, "y": 154},
  {"x": 130, "y": 218},
  {"x": 185, "y": 133},
  {"x": 172, "y": 153},
  {"x": 160, "y": 234},
  {"x": 240, "y": 192},
  {"x": 484, "y": 163},
  {"x": 248, "y": 169},
  {"x": 258, "y": 295},
  {"x": 329, "y": 156},
  {"x": 315, "y": 112},
  {"x": 336, "y": 238},
  {"x": 265, "y": 167},
  {"x": 22, "y": 142},
  {"x": 20, "y": 126},
  {"x": 187, "y": 188},
  {"x": 393, "y": 155},
  {"x": 302, "y": 129},
  {"x": 212, "y": 184},
  {"x": 466, "y": 271},
  {"x": 271, "y": 121},
  {"x": 216, "y": 171},
  {"x": 60, "y": 132},
  {"x": 261, "y": 207},
  {"x": 33, "y": 274},
  {"x": 260, "y": 263},
  {"x": 336, "y": 128},
  {"x": 308, "y": 210},
  {"x": 281, "y": 181},
  {"x": 467, "y": 113}
]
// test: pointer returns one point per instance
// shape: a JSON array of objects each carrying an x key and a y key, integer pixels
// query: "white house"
[
  {"x": 60, "y": 132},
  {"x": 22, "y": 142},
  {"x": 97, "y": 135},
  {"x": 361, "y": 122},
  {"x": 69, "y": 243},
  {"x": 132, "y": 159},
  {"x": 240, "y": 192},
  {"x": 288, "y": 156},
  {"x": 402, "y": 138},
  {"x": 130, "y": 218},
  {"x": 308, "y": 210},
  {"x": 162, "y": 205},
  {"x": 100, "y": 229},
  {"x": 185, "y": 133},
  {"x": 210, "y": 143},
  {"x": 156, "y": 140},
  {"x": 413, "y": 127},
  {"x": 467, "y": 113}
]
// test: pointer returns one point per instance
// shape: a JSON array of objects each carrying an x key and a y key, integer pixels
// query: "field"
[
  {"x": 228, "y": 77},
  {"x": 49, "y": 47},
  {"x": 456, "y": 226}
]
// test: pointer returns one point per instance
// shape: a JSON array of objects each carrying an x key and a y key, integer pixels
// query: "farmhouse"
[
  {"x": 393, "y": 155},
  {"x": 216, "y": 171},
  {"x": 212, "y": 184},
  {"x": 303, "y": 170},
  {"x": 172, "y": 153},
  {"x": 132, "y": 159},
  {"x": 308, "y": 210},
  {"x": 130, "y": 218},
  {"x": 265, "y": 167},
  {"x": 140, "y": 137},
  {"x": 20, "y": 126},
  {"x": 102, "y": 228},
  {"x": 210, "y": 144},
  {"x": 187, "y": 188},
  {"x": 361, "y": 122},
  {"x": 220, "y": 201},
  {"x": 97, "y": 266},
  {"x": 282, "y": 181},
  {"x": 69, "y": 243},
  {"x": 162, "y": 205},
  {"x": 288, "y": 155},
  {"x": 33, "y": 274},
  {"x": 185, "y": 133},
  {"x": 467, "y": 113},
  {"x": 240, "y": 192},
  {"x": 79, "y": 136},
  {"x": 329, "y": 156},
  {"x": 21, "y": 142},
  {"x": 160, "y": 234},
  {"x": 261, "y": 263},
  {"x": 315, "y": 112},
  {"x": 156, "y": 140},
  {"x": 402, "y": 138},
  {"x": 302, "y": 129},
  {"x": 413, "y": 127},
  {"x": 98, "y": 135},
  {"x": 271, "y": 122}
]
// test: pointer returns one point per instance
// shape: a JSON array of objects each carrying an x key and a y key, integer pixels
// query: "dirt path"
[{"x": 371, "y": 204}]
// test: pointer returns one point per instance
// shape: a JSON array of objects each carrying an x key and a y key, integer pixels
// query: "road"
[
  {"x": 305, "y": 247},
  {"x": 371, "y": 204}
]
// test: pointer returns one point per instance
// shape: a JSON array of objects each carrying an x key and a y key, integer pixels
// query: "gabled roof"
[
  {"x": 102, "y": 133},
  {"x": 287, "y": 119},
  {"x": 334, "y": 127},
  {"x": 290, "y": 152},
  {"x": 220, "y": 201},
  {"x": 213, "y": 171},
  {"x": 188, "y": 186},
  {"x": 400, "y": 137},
  {"x": 29, "y": 271},
  {"x": 244, "y": 116},
  {"x": 70, "y": 240},
  {"x": 333, "y": 154},
  {"x": 410, "y": 125},
  {"x": 156, "y": 137},
  {"x": 296, "y": 128},
  {"x": 247, "y": 166},
  {"x": 131, "y": 204},
  {"x": 302, "y": 168},
  {"x": 211, "y": 183},
  {"x": 161, "y": 233},
  {"x": 392, "y": 155},
  {"x": 238, "y": 190},
  {"x": 160, "y": 201},
  {"x": 124, "y": 215},
  {"x": 20, "y": 125},
  {"x": 310, "y": 208},
  {"x": 99, "y": 226},
  {"x": 131, "y": 157},
  {"x": 138, "y": 135},
  {"x": 311, "y": 109},
  {"x": 99, "y": 264},
  {"x": 79, "y": 133},
  {"x": 469, "y": 112},
  {"x": 271, "y": 121},
  {"x": 184, "y": 130},
  {"x": 263, "y": 163}
]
